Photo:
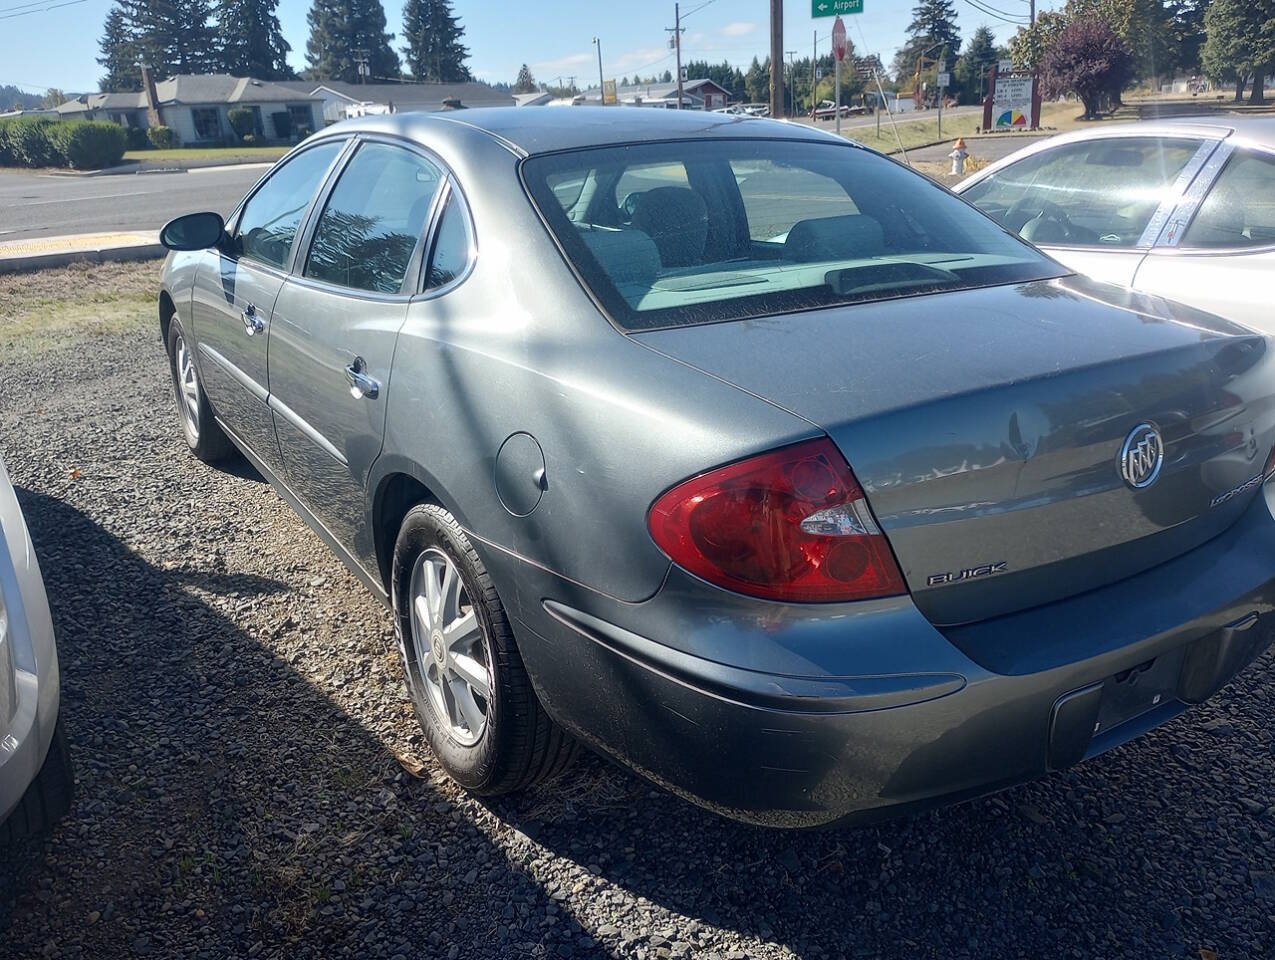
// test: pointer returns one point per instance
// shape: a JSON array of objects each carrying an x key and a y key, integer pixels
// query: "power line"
[
  {"x": 54, "y": 6},
  {"x": 698, "y": 9},
  {"x": 1015, "y": 19}
]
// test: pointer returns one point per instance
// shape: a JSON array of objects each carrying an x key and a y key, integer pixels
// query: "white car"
[
  {"x": 1181, "y": 208},
  {"x": 36, "y": 779}
]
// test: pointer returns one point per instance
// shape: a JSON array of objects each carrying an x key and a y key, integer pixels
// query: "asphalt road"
[
  {"x": 35, "y": 205},
  {"x": 849, "y": 123},
  {"x": 987, "y": 149}
]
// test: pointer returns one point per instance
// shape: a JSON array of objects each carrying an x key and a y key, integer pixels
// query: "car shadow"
[{"x": 225, "y": 804}]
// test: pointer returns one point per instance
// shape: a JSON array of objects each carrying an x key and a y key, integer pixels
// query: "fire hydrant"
[{"x": 957, "y": 156}]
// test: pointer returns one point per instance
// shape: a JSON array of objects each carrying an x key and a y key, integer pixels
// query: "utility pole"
[
  {"x": 676, "y": 30},
  {"x": 1033, "y": 18},
  {"x": 814, "y": 78},
  {"x": 792, "y": 82},
  {"x": 777, "y": 58},
  {"x": 602, "y": 96}
]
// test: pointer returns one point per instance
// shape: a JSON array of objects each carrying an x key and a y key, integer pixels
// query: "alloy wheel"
[
  {"x": 187, "y": 386},
  {"x": 450, "y": 648}
]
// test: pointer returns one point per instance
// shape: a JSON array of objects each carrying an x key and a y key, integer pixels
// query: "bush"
[
  {"x": 161, "y": 137},
  {"x": 249, "y": 138},
  {"x": 86, "y": 144},
  {"x": 137, "y": 138},
  {"x": 242, "y": 122},
  {"x": 27, "y": 142},
  {"x": 282, "y": 124}
]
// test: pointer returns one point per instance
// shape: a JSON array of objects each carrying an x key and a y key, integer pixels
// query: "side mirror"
[{"x": 195, "y": 231}]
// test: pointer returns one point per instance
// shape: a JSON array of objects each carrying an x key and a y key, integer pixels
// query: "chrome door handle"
[
  {"x": 361, "y": 385},
  {"x": 252, "y": 323}
]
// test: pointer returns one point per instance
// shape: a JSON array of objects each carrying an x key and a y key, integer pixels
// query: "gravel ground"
[{"x": 251, "y": 782}]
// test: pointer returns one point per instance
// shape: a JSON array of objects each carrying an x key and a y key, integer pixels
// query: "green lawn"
[
  {"x": 190, "y": 154},
  {"x": 1054, "y": 117}
]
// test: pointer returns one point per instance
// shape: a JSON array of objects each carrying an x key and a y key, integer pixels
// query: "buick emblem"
[{"x": 1142, "y": 456}]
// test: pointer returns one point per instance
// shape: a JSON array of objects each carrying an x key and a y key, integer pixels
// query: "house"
[
  {"x": 196, "y": 107},
  {"x": 532, "y": 99},
  {"x": 702, "y": 94},
  {"x": 341, "y": 100}
]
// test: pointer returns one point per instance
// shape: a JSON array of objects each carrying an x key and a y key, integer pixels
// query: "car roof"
[
  {"x": 1259, "y": 131},
  {"x": 545, "y": 129}
]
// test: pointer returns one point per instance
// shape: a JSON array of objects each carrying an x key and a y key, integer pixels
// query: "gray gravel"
[{"x": 251, "y": 783}]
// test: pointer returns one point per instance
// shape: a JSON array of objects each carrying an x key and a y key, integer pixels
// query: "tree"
[
  {"x": 1240, "y": 44},
  {"x": 1186, "y": 32},
  {"x": 757, "y": 81},
  {"x": 53, "y": 97},
  {"x": 932, "y": 34},
  {"x": 344, "y": 31},
  {"x": 526, "y": 83},
  {"x": 119, "y": 54},
  {"x": 1028, "y": 46},
  {"x": 1090, "y": 60},
  {"x": 250, "y": 41},
  {"x": 666, "y": 76},
  {"x": 971, "y": 70},
  {"x": 434, "y": 51},
  {"x": 1144, "y": 25}
]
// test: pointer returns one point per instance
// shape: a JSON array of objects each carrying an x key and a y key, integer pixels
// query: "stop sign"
[{"x": 839, "y": 40}]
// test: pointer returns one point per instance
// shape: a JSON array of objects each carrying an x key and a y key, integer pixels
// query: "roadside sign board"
[
  {"x": 1012, "y": 103},
  {"x": 941, "y": 66},
  {"x": 834, "y": 8},
  {"x": 1004, "y": 66},
  {"x": 839, "y": 40},
  {"x": 945, "y": 79},
  {"x": 608, "y": 92}
]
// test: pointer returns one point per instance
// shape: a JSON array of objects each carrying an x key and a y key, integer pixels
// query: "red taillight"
[{"x": 788, "y": 525}]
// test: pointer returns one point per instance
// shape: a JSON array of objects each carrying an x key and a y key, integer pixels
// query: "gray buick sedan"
[{"x": 734, "y": 450}]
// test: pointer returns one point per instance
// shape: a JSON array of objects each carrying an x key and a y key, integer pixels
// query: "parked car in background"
[
  {"x": 1183, "y": 208},
  {"x": 36, "y": 779},
  {"x": 738, "y": 451},
  {"x": 827, "y": 110}
]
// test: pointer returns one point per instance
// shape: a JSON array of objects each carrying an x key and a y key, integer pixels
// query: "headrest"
[
  {"x": 627, "y": 256},
  {"x": 848, "y": 237},
  {"x": 677, "y": 220}
]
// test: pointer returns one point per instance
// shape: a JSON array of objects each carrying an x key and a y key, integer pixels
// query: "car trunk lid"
[{"x": 986, "y": 428}]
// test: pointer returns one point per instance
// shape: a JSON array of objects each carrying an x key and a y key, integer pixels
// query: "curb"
[{"x": 45, "y": 261}]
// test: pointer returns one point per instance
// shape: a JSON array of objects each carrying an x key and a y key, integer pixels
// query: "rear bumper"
[
  {"x": 28, "y": 658},
  {"x": 808, "y": 715}
]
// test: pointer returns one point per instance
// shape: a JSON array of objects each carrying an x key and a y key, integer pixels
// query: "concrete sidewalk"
[{"x": 43, "y": 252}]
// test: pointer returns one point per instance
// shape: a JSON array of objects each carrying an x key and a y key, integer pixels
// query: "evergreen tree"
[
  {"x": 666, "y": 76},
  {"x": 172, "y": 37},
  {"x": 251, "y": 42},
  {"x": 757, "y": 81},
  {"x": 526, "y": 83},
  {"x": 343, "y": 30},
  {"x": 933, "y": 29},
  {"x": 119, "y": 54},
  {"x": 971, "y": 70},
  {"x": 434, "y": 51},
  {"x": 1240, "y": 44}
]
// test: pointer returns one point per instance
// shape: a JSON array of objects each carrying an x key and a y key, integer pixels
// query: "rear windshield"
[{"x": 685, "y": 232}]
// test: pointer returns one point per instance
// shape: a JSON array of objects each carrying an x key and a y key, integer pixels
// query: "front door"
[
  {"x": 235, "y": 291},
  {"x": 334, "y": 328}
]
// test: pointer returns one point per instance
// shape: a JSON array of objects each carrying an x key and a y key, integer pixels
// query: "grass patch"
[
  {"x": 46, "y": 309},
  {"x": 189, "y": 154},
  {"x": 1054, "y": 118}
]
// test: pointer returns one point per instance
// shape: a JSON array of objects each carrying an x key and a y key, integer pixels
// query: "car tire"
[
  {"x": 203, "y": 433},
  {"x": 48, "y": 797},
  {"x": 516, "y": 743}
]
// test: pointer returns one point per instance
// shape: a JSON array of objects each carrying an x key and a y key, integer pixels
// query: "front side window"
[
  {"x": 1099, "y": 193},
  {"x": 373, "y": 219},
  {"x": 1240, "y": 209},
  {"x": 676, "y": 233},
  {"x": 207, "y": 123},
  {"x": 270, "y": 219}
]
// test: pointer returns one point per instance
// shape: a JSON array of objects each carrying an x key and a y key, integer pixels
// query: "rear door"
[
  {"x": 1218, "y": 250},
  {"x": 335, "y": 325},
  {"x": 1095, "y": 205},
  {"x": 235, "y": 290}
]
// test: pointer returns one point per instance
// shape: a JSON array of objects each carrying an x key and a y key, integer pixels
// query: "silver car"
[
  {"x": 739, "y": 452},
  {"x": 1183, "y": 208},
  {"x": 36, "y": 780}
]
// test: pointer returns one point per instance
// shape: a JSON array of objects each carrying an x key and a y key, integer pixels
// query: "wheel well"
[
  {"x": 399, "y": 493},
  {"x": 166, "y": 310}
]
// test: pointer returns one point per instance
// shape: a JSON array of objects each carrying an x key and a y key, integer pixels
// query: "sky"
[{"x": 57, "y": 44}]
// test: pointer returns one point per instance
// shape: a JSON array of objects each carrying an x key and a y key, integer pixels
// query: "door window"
[
  {"x": 373, "y": 219},
  {"x": 1092, "y": 193},
  {"x": 453, "y": 245},
  {"x": 1240, "y": 209},
  {"x": 270, "y": 219}
]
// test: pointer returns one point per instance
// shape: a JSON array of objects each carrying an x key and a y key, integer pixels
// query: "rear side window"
[
  {"x": 373, "y": 219},
  {"x": 685, "y": 232},
  {"x": 269, "y": 221},
  {"x": 1240, "y": 209},
  {"x": 1093, "y": 193},
  {"x": 453, "y": 246}
]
